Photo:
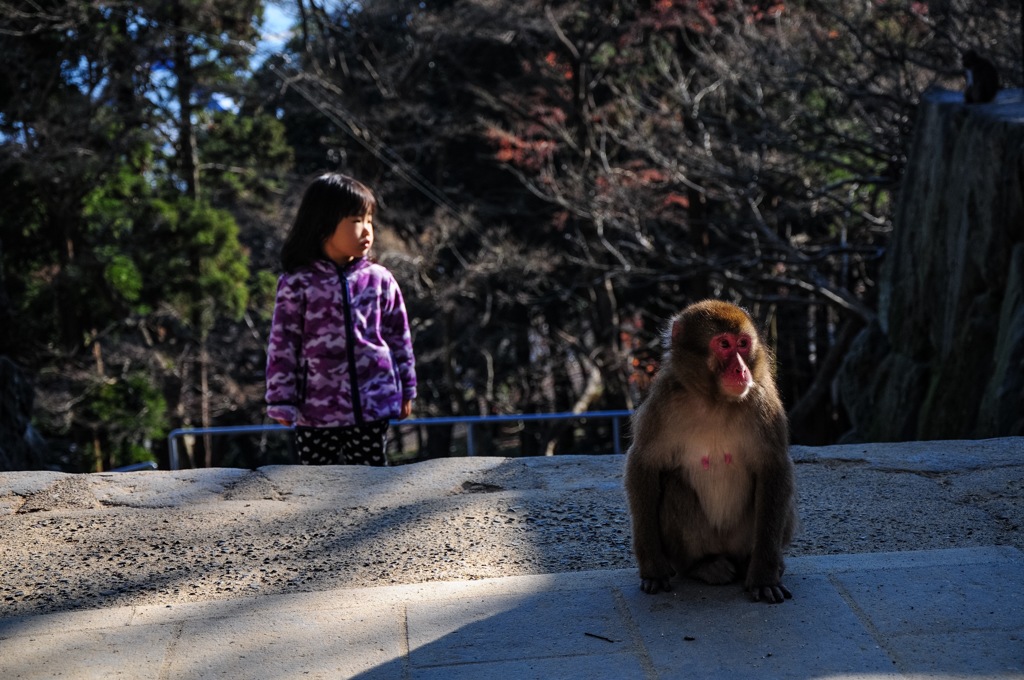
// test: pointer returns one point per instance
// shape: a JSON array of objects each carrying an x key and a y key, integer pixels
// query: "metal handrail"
[
  {"x": 136, "y": 467},
  {"x": 469, "y": 421}
]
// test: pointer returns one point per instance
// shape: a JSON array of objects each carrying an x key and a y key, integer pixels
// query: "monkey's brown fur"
[{"x": 708, "y": 475}]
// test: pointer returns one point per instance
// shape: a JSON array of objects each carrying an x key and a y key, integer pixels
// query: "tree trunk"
[
  {"x": 187, "y": 159},
  {"x": 204, "y": 386}
]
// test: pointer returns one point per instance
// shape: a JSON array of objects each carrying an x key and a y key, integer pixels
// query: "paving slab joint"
[{"x": 636, "y": 640}]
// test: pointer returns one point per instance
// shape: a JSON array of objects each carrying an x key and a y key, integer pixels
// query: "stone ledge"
[{"x": 147, "y": 538}]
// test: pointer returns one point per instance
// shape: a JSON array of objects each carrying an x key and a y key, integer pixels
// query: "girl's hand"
[{"x": 406, "y": 408}]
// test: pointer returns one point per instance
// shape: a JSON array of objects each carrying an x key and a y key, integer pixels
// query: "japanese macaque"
[
  {"x": 981, "y": 79},
  {"x": 708, "y": 475}
]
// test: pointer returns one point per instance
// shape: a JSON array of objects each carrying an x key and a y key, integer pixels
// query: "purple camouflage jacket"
[{"x": 340, "y": 351}]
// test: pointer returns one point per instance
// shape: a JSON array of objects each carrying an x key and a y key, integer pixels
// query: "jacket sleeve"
[
  {"x": 284, "y": 352},
  {"x": 395, "y": 330}
]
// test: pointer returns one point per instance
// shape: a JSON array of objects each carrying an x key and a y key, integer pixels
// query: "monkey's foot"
[
  {"x": 716, "y": 571},
  {"x": 655, "y": 585},
  {"x": 770, "y": 594}
]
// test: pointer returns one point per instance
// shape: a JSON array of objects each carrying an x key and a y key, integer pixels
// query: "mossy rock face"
[
  {"x": 20, "y": 448},
  {"x": 946, "y": 359},
  {"x": 1002, "y": 407},
  {"x": 882, "y": 389}
]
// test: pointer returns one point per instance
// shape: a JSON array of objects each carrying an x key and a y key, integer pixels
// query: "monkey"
[
  {"x": 982, "y": 79},
  {"x": 708, "y": 477}
]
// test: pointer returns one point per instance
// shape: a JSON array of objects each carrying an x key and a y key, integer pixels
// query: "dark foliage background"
[{"x": 556, "y": 179}]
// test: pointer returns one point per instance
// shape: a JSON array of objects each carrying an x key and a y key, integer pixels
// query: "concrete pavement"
[{"x": 956, "y": 613}]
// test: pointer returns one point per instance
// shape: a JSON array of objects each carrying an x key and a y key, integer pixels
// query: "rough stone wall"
[{"x": 945, "y": 360}]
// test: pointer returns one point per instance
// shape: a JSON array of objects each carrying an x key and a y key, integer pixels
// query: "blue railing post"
[{"x": 172, "y": 438}]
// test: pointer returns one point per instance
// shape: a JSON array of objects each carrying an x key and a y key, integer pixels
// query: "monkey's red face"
[{"x": 732, "y": 355}]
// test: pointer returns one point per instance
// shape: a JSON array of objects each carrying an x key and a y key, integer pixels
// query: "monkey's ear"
[{"x": 676, "y": 330}]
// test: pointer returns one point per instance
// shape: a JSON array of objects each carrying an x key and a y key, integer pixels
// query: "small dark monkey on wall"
[
  {"x": 981, "y": 80},
  {"x": 708, "y": 475}
]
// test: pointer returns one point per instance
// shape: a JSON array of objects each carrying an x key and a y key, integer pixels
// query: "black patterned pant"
[{"x": 354, "y": 445}]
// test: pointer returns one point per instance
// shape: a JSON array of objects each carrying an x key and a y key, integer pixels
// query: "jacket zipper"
[{"x": 350, "y": 328}]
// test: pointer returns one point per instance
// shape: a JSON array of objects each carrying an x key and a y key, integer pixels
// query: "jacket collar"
[{"x": 325, "y": 266}]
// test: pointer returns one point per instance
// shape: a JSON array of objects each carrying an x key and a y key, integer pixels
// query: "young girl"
[{"x": 339, "y": 361}]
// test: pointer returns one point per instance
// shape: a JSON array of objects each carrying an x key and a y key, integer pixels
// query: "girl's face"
[{"x": 352, "y": 238}]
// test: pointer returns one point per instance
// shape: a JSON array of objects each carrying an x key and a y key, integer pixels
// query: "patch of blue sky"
[
  {"x": 279, "y": 20},
  {"x": 221, "y": 102}
]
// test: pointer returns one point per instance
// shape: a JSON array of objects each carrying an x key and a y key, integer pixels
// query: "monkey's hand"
[{"x": 766, "y": 585}]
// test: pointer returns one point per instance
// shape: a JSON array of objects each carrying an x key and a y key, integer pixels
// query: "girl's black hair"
[{"x": 329, "y": 199}]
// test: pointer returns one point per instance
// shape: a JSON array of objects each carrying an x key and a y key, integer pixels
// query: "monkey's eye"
[
  {"x": 744, "y": 343},
  {"x": 724, "y": 343}
]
